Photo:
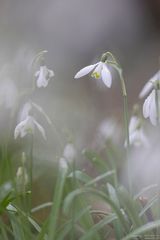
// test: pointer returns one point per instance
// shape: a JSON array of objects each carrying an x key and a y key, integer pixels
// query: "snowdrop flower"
[
  {"x": 26, "y": 109},
  {"x": 43, "y": 76},
  {"x": 99, "y": 71},
  {"x": 150, "y": 108},
  {"x": 137, "y": 136},
  {"x": 27, "y": 126},
  {"x": 150, "y": 85},
  {"x": 63, "y": 164},
  {"x": 69, "y": 152}
]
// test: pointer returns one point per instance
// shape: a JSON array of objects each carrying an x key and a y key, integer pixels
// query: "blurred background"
[{"x": 75, "y": 33}]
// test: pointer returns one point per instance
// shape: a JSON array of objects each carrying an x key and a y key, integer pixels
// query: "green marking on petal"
[{"x": 96, "y": 75}]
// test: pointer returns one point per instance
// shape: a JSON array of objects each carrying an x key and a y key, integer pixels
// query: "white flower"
[
  {"x": 69, "y": 152},
  {"x": 43, "y": 76},
  {"x": 24, "y": 113},
  {"x": 150, "y": 85},
  {"x": 27, "y": 126},
  {"x": 63, "y": 164},
  {"x": 137, "y": 136},
  {"x": 149, "y": 107},
  {"x": 99, "y": 71}
]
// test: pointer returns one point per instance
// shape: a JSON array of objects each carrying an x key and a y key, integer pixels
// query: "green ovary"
[{"x": 96, "y": 75}]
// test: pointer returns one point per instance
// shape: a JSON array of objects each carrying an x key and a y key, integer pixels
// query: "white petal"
[
  {"x": 84, "y": 71},
  {"x": 153, "y": 113},
  {"x": 40, "y": 128},
  {"x": 133, "y": 124},
  {"x": 25, "y": 111},
  {"x": 149, "y": 85},
  {"x": 51, "y": 73},
  {"x": 37, "y": 74},
  {"x": 146, "y": 89},
  {"x": 156, "y": 77},
  {"x": 20, "y": 129},
  {"x": 134, "y": 138},
  {"x": 16, "y": 131},
  {"x": 146, "y": 106},
  {"x": 44, "y": 76},
  {"x": 106, "y": 76}
]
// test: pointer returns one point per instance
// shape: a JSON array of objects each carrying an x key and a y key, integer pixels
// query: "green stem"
[
  {"x": 125, "y": 102},
  {"x": 126, "y": 123},
  {"x": 30, "y": 172},
  {"x": 74, "y": 203}
]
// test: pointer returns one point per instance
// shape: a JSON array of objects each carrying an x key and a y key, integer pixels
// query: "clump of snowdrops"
[{"x": 83, "y": 207}]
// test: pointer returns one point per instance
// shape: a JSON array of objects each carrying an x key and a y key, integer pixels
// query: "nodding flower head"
[
  {"x": 99, "y": 71},
  {"x": 137, "y": 136},
  {"x": 43, "y": 76},
  {"x": 27, "y": 126},
  {"x": 151, "y": 106}
]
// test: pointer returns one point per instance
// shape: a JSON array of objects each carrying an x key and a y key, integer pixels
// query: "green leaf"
[
  {"x": 98, "y": 162},
  {"x": 42, "y": 206},
  {"x": 58, "y": 193},
  {"x": 141, "y": 193},
  {"x": 143, "y": 229},
  {"x": 91, "y": 232},
  {"x": 81, "y": 176},
  {"x": 99, "y": 194},
  {"x": 100, "y": 177},
  {"x": 66, "y": 228},
  {"x": 130, "y": 206}
]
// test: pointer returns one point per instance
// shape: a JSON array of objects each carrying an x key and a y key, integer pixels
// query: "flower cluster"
[{"x": 27, "y": 123}]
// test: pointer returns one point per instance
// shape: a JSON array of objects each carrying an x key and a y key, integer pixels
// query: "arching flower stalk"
[{"x": 100, "y": 70}]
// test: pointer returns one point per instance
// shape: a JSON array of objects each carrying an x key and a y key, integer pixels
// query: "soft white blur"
[
  {"x": 75, "y": 33},
  {"x": 144, "y": 164}
]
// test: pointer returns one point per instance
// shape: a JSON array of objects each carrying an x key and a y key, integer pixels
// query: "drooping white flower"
[
  {"x": 150, "y": 108},
  {"x": 150, "y": 85},
  {"x": 27, "y": 126},
  {"x": 63, "y": 164},
  {"x": 25, "y": 111},
  {"x": 43, "y": 76},
  {"x": 69, "y": 152},
  {"x": 99, "y": 71},
  {"x": 137, "y": 136}
]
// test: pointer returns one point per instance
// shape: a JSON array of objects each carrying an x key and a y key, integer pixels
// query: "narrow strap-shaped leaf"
[{"x": 143, "y": 229}]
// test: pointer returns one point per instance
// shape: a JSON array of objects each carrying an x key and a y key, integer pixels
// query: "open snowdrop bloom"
[
  {"x": 99, "y": 71},
  {"x": 27, "y": 126},
  {"x": 43, "y": 76},
  {"x": 137, "y": 136}
]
